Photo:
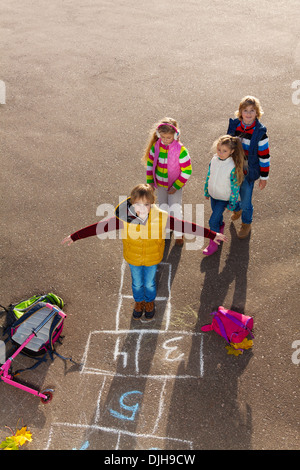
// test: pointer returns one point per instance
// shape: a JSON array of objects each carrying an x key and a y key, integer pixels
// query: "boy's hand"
[
  {"x": 67, "y": 240},
  {"x": 220, "y": 238}
]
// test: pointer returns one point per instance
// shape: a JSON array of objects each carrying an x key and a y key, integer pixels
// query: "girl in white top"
[{"x": 222, "y": 185}]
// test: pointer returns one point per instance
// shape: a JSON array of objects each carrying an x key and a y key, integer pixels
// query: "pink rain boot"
[{"x": 211, "y": 248}]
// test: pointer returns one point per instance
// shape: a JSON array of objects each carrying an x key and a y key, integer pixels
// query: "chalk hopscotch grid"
[
  {"x": 162, "y": 378},
  {"x": 118, "y": 432},
  {"x": 141, "y": 333}
]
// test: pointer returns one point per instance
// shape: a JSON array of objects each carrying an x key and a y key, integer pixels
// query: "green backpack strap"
[
  {"x": 23, "y": 306},
  {"x": 55, "y": 300}
]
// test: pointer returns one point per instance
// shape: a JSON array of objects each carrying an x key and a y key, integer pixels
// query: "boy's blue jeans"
[
  {"x": 143, "y": 282},
  {"x": 245, "y": 203},
  {"x": 216, "y": 218}
]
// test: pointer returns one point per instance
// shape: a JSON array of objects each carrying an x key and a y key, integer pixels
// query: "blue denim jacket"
[{"x": 253, "y": 160}]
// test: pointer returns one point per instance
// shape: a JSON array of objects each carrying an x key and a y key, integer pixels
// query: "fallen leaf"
[
  {"x": 9, "y": 444},
  {"x": 245, "y": 344},
  {"x": 22, "y": 436},
  {"x": 231, "y": 350},
  {"x": 16, "y": 440}
]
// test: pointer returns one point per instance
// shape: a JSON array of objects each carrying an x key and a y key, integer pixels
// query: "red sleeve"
[
  {"x": 103, "y": 226},
  {"x": 189, "y": 227}
]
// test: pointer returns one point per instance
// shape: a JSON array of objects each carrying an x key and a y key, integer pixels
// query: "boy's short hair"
[
  {"x": 249, "y": 101},
  {"x": 142, "y": 191}
]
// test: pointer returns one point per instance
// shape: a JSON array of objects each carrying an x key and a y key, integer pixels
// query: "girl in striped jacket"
[
  {"x": 168, "y": 168},
  {"x": 255, "y": 141}
]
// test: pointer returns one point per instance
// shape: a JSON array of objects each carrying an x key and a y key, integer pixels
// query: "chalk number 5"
[{"x": 133, "y": 408}]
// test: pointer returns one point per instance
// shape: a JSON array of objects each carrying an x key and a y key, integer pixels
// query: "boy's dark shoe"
[
  {"x": 149, "y": 310},
  {"x": 138, "y": 310}
]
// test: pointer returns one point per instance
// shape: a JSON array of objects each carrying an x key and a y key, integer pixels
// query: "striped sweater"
[
  {"x": 114, "y": 223},
  {"x": 161, "y": 170},
  {"x": 245, "y": 133}
]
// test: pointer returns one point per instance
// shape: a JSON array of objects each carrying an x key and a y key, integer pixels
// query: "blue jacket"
[{"x": 253, "y": 160}]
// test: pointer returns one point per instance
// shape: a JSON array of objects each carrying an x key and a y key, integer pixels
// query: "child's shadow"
[
  {"x": 216, "y": 284},
  {"x": 171, "y": 257},
  {"x": 220, "y": 417}
]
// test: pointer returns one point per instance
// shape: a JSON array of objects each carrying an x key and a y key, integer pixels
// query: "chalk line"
[
  {"x": 120, "y": 294},
  {"x": 160, "y": 407},
  {"x": 97, "y": 415},
  {"x": 119, "y": 432}
]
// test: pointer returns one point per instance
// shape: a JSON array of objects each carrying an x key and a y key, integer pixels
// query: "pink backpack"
[{"x": 233, "y": 326}]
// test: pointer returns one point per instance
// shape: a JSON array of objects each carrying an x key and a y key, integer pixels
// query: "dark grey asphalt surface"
[{"x": 85, "y": 81}]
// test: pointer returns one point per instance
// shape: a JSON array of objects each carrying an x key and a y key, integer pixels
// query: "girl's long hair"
[
  {"x": 238, "y": 156},
  {"x": 154, "y": 138}
]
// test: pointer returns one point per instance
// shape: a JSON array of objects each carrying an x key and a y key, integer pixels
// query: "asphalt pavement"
[{"x": 82, "y": 83}]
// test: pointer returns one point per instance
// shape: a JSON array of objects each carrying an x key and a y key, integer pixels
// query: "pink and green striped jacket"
[{"x": 168, "y": 165}]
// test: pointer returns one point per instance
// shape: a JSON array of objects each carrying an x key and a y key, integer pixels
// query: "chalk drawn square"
[
  {"x": 144, "y": 442},
  {"x": 72, "y": 436},
  {"x": 130, "y": 405},
  {"x": 171, "y": 354},
  {"x": 144, "y": 353},
  {"x": 160, "y": 320},
  {"x": 110, "y": 353}
]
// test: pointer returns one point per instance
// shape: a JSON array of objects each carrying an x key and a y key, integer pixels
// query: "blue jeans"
[
  {"x": 143, "y": 282},
  {"x": 216, "y": 218},
  {"x": 245, "y": 204}
]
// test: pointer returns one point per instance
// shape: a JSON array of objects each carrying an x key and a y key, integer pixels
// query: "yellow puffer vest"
[{"x": 143, "y": 245}]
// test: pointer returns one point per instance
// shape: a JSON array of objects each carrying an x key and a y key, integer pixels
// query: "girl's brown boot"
[
  {"x": 244, "y": 231},
  {"x": 236, "y": 215}
]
